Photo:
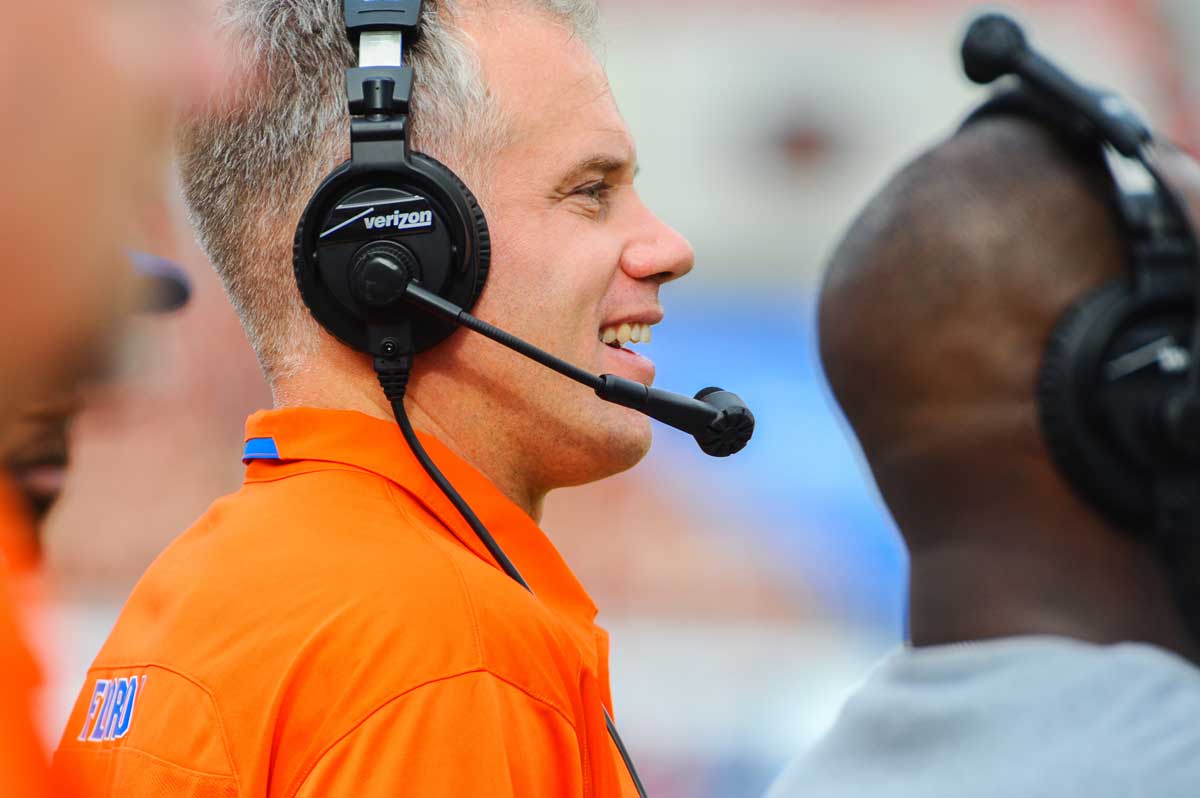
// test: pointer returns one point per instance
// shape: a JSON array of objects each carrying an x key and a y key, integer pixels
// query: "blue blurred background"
[{"x": 745, "y": 597}]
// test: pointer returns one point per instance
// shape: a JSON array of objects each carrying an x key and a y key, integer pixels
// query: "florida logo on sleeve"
[{"x": 110, "y": 712}]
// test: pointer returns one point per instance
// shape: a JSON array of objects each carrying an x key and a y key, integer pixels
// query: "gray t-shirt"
[{"x": 1027, "y": 717}]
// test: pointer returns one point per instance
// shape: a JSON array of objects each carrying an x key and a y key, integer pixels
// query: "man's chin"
[
  {"x": 632, "y": 445},
  {"x": 614, "y": 441}
]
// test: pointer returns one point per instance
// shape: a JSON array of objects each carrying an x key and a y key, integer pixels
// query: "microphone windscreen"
[
  {"x": 991, "y": 47},
  {"x": 733, "y": 427}
]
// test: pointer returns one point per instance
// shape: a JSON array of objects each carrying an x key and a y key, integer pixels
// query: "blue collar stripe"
[{"x": 260, "y": 449}]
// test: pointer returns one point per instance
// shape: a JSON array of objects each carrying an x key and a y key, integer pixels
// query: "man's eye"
[{"x": 597, "y": 191}]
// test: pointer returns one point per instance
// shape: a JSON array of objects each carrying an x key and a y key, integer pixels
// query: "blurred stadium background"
[{"x": 745, "y": 597}]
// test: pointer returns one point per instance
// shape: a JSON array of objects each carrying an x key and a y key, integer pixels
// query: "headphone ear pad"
[
  {"x": 477, "y": 219},
  {"x": 1070, "y": 413}
]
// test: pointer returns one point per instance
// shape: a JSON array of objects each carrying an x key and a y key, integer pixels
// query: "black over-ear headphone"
[
  {"x": 393, "y": 250},
  {"x": 1119, "y": 386},
  {"x": 387, "y": 205}
]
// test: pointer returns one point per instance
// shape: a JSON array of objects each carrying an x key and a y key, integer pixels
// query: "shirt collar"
[{"x": 281, "y": 443}]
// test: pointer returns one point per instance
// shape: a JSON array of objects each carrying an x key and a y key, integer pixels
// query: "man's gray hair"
[{"x": 250, "y": 162}]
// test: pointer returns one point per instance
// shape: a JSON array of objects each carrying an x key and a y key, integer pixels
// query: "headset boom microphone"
[
  {"x": 719, "y": 420},
  {"x": 995, "y": 46}
]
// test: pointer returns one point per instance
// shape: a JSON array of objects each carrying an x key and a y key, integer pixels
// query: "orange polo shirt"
[{"x": 335, "y": 630}]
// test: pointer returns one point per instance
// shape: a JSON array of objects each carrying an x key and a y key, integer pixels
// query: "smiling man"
[{"x": 335, "y": 628}]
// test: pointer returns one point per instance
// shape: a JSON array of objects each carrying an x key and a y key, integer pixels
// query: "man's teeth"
[{"x": 626, "y": 333}]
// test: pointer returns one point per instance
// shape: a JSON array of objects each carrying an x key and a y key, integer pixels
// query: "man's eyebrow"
[{"x": 603, "y": 164}]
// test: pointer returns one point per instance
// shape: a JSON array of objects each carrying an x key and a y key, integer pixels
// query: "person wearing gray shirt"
[
  {"x": 1054, "y": 645},
  {"x": 1021, "y": 716}
]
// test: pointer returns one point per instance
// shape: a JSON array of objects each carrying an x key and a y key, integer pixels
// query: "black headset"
[
  {"x": 393, "y": 251},
  {"x": 1118, "y": 389},
  {"x": 388, "y": 215}
]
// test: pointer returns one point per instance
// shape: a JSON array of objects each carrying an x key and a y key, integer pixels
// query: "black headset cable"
[
  {"x": 459, "y": 503},
  {"x": 394, "y": 371},
  {"x": 393, "y": 374}
]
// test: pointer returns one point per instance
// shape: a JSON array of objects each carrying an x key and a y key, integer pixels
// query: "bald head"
[
  {"x": 939, "y": 300},
  {"x": 934, "y": 317}
]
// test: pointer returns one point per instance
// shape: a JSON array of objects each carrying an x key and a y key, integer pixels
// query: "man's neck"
[
  {"x": 487, "y": 456},
  {"x": 1000, "y": 546},
  {"x": 976, "y": 587},
  {"x": 354, "y": 388}
]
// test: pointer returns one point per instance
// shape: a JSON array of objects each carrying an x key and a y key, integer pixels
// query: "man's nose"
[{"x": 658, "y": 252}]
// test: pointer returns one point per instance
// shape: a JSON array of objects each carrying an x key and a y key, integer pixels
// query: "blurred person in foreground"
[
  {"x": 1053, "y": 651},
  {"x": 97, "y": 87},
  {"x": 35, "y": 447},
  {"x": 90, "y": 90},
  {"x": 335, "y": 627}
]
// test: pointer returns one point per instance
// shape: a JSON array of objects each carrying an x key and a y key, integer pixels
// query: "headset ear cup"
[
  {"x": 1067, "y": 416},
  {"x": 454, "y": 255},
  {"x": 483, "y": 239},
  {"x": 331, "y": 314}
]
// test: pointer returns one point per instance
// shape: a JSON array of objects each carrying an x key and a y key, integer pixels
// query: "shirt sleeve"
[{"x": 470, "y": 735}]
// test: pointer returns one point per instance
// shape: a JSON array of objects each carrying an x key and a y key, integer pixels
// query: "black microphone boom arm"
[{"x": 719, "y": 420}]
